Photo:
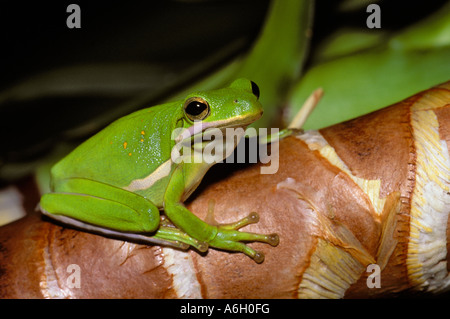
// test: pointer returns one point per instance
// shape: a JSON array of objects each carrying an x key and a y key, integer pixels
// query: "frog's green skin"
[{"x": 117, "y": 181}]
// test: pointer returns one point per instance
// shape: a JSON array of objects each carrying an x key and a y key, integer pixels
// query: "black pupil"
[{"x": 196, "y": 108}]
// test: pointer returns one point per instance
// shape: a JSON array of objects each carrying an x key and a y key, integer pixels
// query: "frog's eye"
[{"x": 196, "y": 108}]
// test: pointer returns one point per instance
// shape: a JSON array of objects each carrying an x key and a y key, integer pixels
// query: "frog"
[{"x": 123, "y": 181}]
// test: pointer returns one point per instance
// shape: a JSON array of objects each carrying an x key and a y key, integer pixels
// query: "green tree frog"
[{"x": 116, "y": 182}]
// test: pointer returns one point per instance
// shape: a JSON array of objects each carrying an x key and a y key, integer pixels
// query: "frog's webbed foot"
[{"x": 229, "y": 238}]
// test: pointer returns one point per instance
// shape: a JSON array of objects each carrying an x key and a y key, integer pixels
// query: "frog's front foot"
[{"x": 229, "y": 238}]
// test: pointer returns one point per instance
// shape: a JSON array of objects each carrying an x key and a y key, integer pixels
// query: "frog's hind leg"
[
  {"x": 100, "y": 212},
  {"x": 112, "y": 212},
  {"x": 164, "y": 235},
  {"x": 134, "y": 237}
]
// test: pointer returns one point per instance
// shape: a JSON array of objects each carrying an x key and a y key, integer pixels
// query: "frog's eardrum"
[{"x": 361, "y": 209}]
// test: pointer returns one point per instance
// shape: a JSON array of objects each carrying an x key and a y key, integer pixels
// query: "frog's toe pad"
[
  {"x": 202, "y": 247},
  {"x": 273, "y": 239},
  {"x": 253, "y": 218},
  {"x": 258, "y": 257}
]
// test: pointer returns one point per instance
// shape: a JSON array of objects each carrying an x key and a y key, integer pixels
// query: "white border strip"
[
  {"x": 430, "y": 206},
  {"x": 179, "y": 264}
]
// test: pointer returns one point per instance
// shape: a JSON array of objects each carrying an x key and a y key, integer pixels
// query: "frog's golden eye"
[{"x": 196, "y": 108}]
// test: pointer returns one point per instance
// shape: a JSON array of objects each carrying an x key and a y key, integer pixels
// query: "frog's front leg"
[
  {"x": 111, "y": 211},
  {"x": 226, "y": 237}
]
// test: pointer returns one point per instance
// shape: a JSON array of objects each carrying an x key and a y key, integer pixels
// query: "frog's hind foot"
[{"x": 252, "y": 218}]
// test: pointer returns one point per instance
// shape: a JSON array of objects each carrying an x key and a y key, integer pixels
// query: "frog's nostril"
[{"x": 255, "y": 89}]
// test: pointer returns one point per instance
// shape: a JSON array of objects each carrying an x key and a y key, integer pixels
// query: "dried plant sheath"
[{"x": 374, "y": 190}]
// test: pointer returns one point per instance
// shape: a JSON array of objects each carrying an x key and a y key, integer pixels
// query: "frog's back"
[{"x": 130, "y": 148}]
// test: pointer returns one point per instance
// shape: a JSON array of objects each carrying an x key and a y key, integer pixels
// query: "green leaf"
[{"x": 366, "y": 80}]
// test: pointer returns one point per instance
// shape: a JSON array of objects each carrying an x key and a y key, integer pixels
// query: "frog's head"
[
  {"x": 234, "y": 106},
  {"x": 206, "y": 112}
]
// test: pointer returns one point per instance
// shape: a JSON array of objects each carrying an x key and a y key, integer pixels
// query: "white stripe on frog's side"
[{"x": 145, "y": 183}]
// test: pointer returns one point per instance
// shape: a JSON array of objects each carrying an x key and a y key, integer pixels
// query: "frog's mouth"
[
  {"x": 216, "y": 140},
  {"x": 201, "y": 129},
  {"x": 214, "y": 136}
]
